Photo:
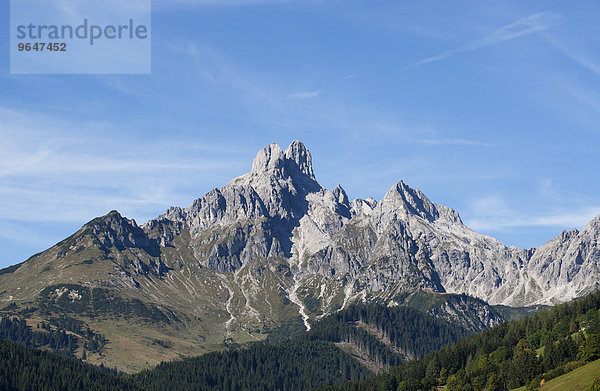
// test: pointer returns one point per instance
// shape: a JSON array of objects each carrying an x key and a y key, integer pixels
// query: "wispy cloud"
[
  {"x": 206, "y": 64},
  {"x": 304, "y": 95},
  {"x": 56, "y": 170},
  {"x": 225, "y": 3},
  {"x": 19, "y": 234},
  {"x": 531, "y": 24},
  {"x": 583, "y": 59},
  {"x": 577, "y": 218},
  {"x": 124, "y": 86},
  {"x": 495, "y": 213}
]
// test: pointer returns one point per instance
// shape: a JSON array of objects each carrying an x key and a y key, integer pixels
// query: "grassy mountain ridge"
[
  {"x": 273, "y": 250},
  {"x": 109, "y": 276}
]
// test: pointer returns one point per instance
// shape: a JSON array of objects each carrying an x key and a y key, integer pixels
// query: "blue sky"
[{"x": 491, "y": 108}]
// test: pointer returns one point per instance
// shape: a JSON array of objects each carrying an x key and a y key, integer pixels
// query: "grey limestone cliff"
[{"x": 337, "y": 250}]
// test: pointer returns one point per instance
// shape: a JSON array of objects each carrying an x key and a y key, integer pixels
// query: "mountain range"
[{"x": 275, "y": 250}]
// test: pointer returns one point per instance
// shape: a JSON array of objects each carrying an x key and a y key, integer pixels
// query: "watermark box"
[{"x": 80, "y": 36}]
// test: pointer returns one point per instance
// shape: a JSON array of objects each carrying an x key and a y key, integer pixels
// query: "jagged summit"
[
  {"x": 340, "y": 195},
  {"x": 323, "y": 232},
  {"x": 113, "y": 218},
  {"x": 114, "y": 230},
  {"x": 403, "y": 198},
  {"x": 274, "y": 171},
  {"x": 270, "y": 158},
  {"x": 595, "y": 222},
  {"x": 295, "y": 161},
  {"x": 298, "y": 154}
]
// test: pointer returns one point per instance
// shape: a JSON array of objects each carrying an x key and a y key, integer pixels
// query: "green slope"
[{"x": 579, "y": 380}]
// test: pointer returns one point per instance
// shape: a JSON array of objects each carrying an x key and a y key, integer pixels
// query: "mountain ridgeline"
[{"x": 272, "y": 252}]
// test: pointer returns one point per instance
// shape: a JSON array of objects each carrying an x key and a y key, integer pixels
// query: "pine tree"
[
  {"x": 591, "y": 348},
  {"x": 494, "y": 383}
]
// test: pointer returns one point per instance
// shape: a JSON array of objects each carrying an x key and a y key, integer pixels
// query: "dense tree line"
[
  {"x": 17, "y": 330},
  {"x": 61, "y": 334},
  {"x": 410, "y": 332},
  {"x": 306, "y": 361},
  {"x": 511, "y": 355},
  {"x": 23, "y": 368},
  {"x": 292, "y": 365},
  {"x": 310, "y": 360},
  {"x": 92, "y": 342}
]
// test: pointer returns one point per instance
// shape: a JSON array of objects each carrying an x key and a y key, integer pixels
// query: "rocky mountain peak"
[
  {"x": 340, "y": 195},
  {"x": 298, "y": 154},
  {"x": 114, "y": 230},
  {"x": 595, "y": 223},
  {"x": 404, "y": 242},
  {"x": 402, "y": 197},
  {"x": 113, "y": 220},
  {"x": 273, "y": 247},
  {"x": 295, "y": 161},
  {"x": 270, "y": 158}
]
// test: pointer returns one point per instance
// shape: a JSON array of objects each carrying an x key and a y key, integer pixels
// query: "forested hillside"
[
  {"x": 517, "y": 353},
  {"x": 349, "y": 345},
  {"x": 524, "y": 352},
  {"x": 386, "y": 335},
  {"x": 378, "y": 335},
  {"x": 294, "y": 365},
  {"x": 63, "y": 335},
  {"x": 24, "y": 368}
]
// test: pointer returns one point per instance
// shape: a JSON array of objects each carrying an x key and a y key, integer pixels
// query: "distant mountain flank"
[{"x": 274, "y": 249}]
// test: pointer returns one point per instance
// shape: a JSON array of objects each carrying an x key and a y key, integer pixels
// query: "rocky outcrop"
[{"x": 114, "y": 230}]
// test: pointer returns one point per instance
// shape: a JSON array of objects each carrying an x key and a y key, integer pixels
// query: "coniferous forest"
[
  {"x": 312, "y": 359},
  {"x": 526, "y": 352},
  {"x": 517, "y": 353},
  {"x": 25, "y": 368}
]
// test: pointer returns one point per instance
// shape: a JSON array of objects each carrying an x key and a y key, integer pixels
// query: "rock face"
[
  {"x": 274, "y": 245},
  {"x": 348, "y": 250},
  {"x": 337, "y": 251}
]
